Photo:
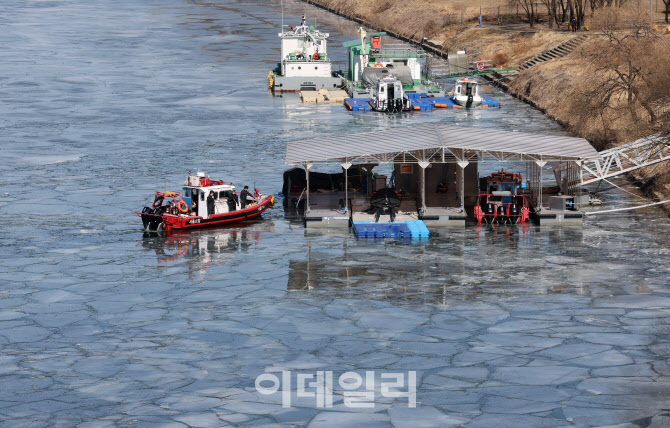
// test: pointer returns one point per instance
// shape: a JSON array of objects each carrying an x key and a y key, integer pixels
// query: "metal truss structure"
[{"x": 626, "y": 158}]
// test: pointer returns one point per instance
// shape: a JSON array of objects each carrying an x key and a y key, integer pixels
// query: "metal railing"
[
  {"x": 399, "y": 53},
  {"x": 626, "y": 158}
]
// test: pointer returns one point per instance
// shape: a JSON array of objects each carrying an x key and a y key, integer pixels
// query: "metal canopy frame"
[
  {"x": 428, "y": 144},
  {"x": 439, "y": 144}
]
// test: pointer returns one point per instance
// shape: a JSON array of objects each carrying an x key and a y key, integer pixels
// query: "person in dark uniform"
[
  {"x": 233, "y": 200},
  {"x": 245, "y": 197},
  {"x": 210, "y": 204}
]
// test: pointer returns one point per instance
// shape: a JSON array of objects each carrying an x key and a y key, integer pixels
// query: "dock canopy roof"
[{"x": 438, "y": 144}]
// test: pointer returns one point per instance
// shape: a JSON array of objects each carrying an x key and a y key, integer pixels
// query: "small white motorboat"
[{"x": 466, "y": 93}]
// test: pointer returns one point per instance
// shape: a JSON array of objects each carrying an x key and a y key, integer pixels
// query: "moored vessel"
[
  {"x": 503, "y": 201},
  {"x": 388, "y": 96},
  {"x": 304, "y": 62},
  {"x": 466, "y": 93},
  {"x": 202, "y": 203},
  {"x": 370, "y": 61}
]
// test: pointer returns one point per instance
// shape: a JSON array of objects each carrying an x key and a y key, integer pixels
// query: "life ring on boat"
[
  {"x": 480, "y": 66},
  {"x": 182, "y": 206},
  {"x": 157, "y": 202},
  {"x": 316, "y": 56},
  {"x": 379, "y": 64},
  {"x": 183, "y": 250}
]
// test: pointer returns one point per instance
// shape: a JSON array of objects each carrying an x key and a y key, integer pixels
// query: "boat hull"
[
  {"x": 516, "y": 212},
  {"x": 168, "y": 222},
  {"x": 462, "y": 100},
  {"x": 307, "y": 83}
]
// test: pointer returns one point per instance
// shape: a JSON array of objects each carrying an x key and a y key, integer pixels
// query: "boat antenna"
[{"x": 282, "y": 17}]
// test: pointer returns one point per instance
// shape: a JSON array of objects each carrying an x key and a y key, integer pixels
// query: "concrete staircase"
[{"x": 559, "y": 51}]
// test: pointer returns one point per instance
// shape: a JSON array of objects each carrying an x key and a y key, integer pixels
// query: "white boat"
[
  {"x": 203, "y": 202},
  {"x": 466, "y": 93},
  {"x": 389, "y": 96},
  {"x": 304, "y": 62}
]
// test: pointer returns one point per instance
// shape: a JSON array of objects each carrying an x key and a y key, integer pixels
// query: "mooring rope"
[
  {"x": 627, "y": 209},
  {"x": 621, "y": 188}
]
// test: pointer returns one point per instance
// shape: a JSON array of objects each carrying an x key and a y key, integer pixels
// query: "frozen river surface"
[{"x": 102, "y": 103}]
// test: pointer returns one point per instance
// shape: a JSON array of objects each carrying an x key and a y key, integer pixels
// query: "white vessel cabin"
[
  {"x": 304, "y": 61},
  {"x": 389, "y": 95},
  {"x": 466, "y": 93},
  {"x": 304, "y": 52},
  {"x": 197, "y": 189}
]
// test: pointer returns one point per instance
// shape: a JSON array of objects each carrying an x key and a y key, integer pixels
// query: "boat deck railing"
[
  {"x": 399, "y": 53},
  {"x": 302, "y": 60}
]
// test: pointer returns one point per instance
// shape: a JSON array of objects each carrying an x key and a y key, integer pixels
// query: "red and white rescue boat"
[
  {"x": 503, "y": 201},
  {"x": 191, "y": 209}
]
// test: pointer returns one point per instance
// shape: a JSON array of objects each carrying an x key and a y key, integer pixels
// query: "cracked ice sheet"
[{"x": 100, "y": 326}]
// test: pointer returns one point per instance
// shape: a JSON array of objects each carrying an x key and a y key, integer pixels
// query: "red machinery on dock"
[
  {"x": 202, "y": 203},
  {"x": 503, "y": 202}
]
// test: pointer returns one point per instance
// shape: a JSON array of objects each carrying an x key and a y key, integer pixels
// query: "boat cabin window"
[
  {"x": 187, "y": 193},
  {"x": 224, "y": 194},
  {"x": 202, "y": 196}
]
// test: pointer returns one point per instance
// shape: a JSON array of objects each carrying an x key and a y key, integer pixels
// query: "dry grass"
[{"x": 440, "y": 22}]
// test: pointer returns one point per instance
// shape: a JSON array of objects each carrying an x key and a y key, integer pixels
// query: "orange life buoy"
[
  {"x": 316, "y": 56},
  {"x": 379, "y": 64},
  {"x": 183, "y": 207}
]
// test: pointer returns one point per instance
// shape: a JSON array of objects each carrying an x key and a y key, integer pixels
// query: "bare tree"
[
  {"x": 628, "y": 84},
  {"x": 557, "y": 10},
  {"x": 528, "y": 7},
  {"x": 577, "y": 9}
]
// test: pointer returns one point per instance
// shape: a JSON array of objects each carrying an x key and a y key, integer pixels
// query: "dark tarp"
[
  {"x": 319, "y": 180},
  {"x": 385, "y": 198}
]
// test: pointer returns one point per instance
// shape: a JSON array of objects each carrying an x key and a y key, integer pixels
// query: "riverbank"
[{"x": 570, "y": 89}]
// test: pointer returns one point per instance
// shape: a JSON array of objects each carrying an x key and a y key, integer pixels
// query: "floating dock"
[
  {"x": 327, "y": 96},
  {"x": 312, "y": 97},
  {"x": 358, "y": 104},
  {"x": 405, "y": 229},
  {"x": 420, "y": 102}
]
